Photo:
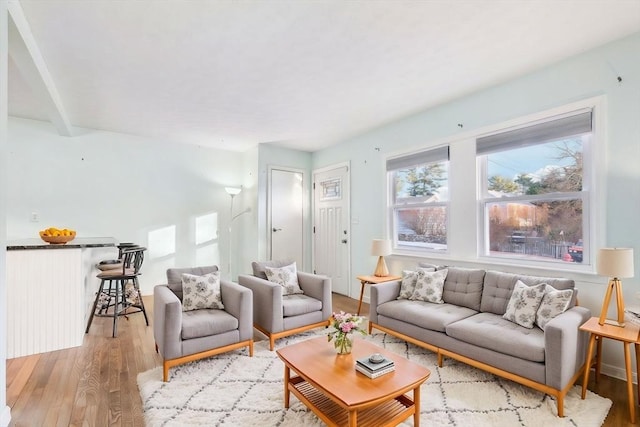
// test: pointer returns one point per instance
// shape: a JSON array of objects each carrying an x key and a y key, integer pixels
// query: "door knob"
[
  {"x": 276, "y": 229},
  {"x": 344, "y": 240}
]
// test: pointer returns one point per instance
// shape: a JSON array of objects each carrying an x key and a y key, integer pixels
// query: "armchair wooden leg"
[
  {"x": 251, "y": 348},
  {"x": 272, "y": 342},
  {"x": 165, "y": 371}
]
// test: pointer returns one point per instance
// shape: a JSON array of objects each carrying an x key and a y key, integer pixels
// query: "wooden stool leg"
[{"x": 93, "y": 310}]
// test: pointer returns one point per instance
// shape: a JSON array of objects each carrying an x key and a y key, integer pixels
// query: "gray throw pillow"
[
  {"x": 408, "y": 284},
  {"x": 200, "y": 292},
  {"x": 286, "y": 276},
  {"x": 429, "y": 286},
  {"x": 554, "y": 302},
  {"x": 524, "y": 303}
]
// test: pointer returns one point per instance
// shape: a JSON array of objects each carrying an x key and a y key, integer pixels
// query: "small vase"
[{"x": 343, "y": 344}]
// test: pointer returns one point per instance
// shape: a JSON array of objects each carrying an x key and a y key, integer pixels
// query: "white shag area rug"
[{"x": 234, "y": 389}]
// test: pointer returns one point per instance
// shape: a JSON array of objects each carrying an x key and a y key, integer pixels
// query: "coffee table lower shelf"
[{"x": 389, "y": 413}]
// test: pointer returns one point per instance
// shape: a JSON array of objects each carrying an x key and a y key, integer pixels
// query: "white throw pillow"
[
  {"x": 429, "y": 286},
  {"x": 286, "y": 276},
  {"x": 408, "y": 284},
  {"x": 554, "y": 302},
  {"x": 200, "y": 292},
  {"x": 524, "y": 303}
]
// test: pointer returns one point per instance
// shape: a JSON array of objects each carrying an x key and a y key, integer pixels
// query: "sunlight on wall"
[
  {"x": 162, "y": 242},
  {"x": 206, "y": 239}
]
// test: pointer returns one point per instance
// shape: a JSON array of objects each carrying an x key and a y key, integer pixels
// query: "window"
[
  {"x": 419, "y": 198},
  {"x": 534, "y": 196}
]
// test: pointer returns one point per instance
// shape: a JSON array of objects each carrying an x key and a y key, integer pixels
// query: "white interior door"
[
  {"x": 287, "y": 216},
  {"x": 331, "y": 237}
]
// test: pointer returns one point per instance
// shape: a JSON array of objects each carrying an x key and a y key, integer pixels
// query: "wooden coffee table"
[{"x": 330, "y": 386}]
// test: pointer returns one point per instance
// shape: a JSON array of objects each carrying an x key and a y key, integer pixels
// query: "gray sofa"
[{"x": 469, "y": 327}]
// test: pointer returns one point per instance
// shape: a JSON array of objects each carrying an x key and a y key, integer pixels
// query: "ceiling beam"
[{"x": 28, "y": 59}]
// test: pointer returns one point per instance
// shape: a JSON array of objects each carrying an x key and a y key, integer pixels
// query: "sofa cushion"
[
  {"x": 463, "y": 286},
  {"x": 429, "y": 286},
  {"x": 553, "y": 303},
  {"x": 498, "y": 286},
  {"x": 492, "y": 332},
  {"x": 408, "y": 283},
  {"x": 258, "y": 267},
  {"x": 203, "y": 323},
  {"x": 427, "y": 315},
  {"x": 524, "y": 303},
  {"x": 296, "y": 304}
]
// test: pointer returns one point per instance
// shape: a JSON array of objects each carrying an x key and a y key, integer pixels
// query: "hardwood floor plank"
[{"x": 96, "y": 384}]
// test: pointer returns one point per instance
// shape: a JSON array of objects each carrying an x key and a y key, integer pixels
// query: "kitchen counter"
[
  {"x": 77, "y": 243},
  {"x": 50, "y": 290}
]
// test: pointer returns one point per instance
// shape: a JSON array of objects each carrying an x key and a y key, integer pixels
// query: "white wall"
[
  {"x": 127, "y": 187},
  {"x": 584, "y": 76},
  {"x": 5, "y": 412}
]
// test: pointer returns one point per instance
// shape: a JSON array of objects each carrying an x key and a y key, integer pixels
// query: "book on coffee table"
[
  {"x": 376, "y": 374},
  {"x": 374, "y": 367}
]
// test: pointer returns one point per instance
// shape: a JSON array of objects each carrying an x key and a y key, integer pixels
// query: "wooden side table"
[
  {"x": 372, "y": 280},
  {"x": 627, "y": 335}
]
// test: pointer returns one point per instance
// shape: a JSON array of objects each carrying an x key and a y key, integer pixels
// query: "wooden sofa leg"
[
  {"x": 560, "y": 402},
  {"x": 165, "y": 371},
  {"x": 440, "y": 359},
  {"x": 251, "y": 348},
  {"x": 272, "y": 342}
]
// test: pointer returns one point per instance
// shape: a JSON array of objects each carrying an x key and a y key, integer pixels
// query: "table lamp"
[
  {"x": 381, "y": 248},
  {"x": 614, "y": 263}
]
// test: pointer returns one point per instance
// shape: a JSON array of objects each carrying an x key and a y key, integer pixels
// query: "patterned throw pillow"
[
  {"x": 408, "y": 284},
  {"x": 286, "y": 276},
  {"x": 554, "y": 303},
  {"x": 201, "y": 291},
  {"x": 429, "y": 286},
  {"x": 524, "y": 303}
]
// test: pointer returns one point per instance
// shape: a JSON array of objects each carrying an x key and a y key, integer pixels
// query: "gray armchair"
[
  {"x": 279, "y": 316},
  {"x": 183, "y": 337}
]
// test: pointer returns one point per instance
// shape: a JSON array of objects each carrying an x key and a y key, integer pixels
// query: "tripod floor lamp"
[{"x": 615, "y": 263}]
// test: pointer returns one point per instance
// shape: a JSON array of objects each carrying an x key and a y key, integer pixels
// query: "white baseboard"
[
  {"x": 5, "y": 417},
  {"x": 616, "y": 372}
]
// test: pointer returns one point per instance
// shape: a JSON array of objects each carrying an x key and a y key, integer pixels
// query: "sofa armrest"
[
  {"x": 318, "y": 287},
  {"x": 381, "y": 293},
  {"x": 267, "y": 302},
  {"x": 167, "y": 322},
  {"x": 238, "y": 302},
  {"x": 565, "y": 346}
]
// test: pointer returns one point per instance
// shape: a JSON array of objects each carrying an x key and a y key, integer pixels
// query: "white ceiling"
[{"x": 295, "y": 73}]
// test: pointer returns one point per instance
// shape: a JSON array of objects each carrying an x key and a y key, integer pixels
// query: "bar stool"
[{"x": 114, "y": 292}]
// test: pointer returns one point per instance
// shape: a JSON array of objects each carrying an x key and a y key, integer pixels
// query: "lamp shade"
[
  {"x": 233, "y": 190},
  {"x": 381, "y": 247},
  {"x": 615, "y": 262}
]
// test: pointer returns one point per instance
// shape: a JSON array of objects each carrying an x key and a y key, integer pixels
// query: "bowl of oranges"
[{"x": 57, "y": 236}]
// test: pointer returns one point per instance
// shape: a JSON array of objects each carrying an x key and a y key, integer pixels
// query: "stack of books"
[{"x": 374, "y": 370}]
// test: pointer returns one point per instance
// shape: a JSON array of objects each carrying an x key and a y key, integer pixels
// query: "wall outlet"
[{"x": 35, "y": 217}]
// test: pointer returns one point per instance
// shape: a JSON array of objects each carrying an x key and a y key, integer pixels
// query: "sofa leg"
[
  {"x": 272, "y": 342},
  {"x": 165, "y": 371},
  {"x": 560, "y": 402},
  {"x": 251, "y": 348},
  {"x": 440, "y": 359}
]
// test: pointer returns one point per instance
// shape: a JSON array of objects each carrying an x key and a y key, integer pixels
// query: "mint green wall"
[{"x": 587, "y": 75}]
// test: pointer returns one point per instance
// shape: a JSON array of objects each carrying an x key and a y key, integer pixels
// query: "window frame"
[
  {"x": 394, "y": 206},
  {"x": 586, "y": 195}
]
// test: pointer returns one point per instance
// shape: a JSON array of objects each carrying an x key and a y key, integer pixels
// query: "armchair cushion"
[
  {"x": 204, "y": 323},
  {"x": 285, "y": 276},
  {"x": 294, "y": 305},
  {"x": 258, "y": 267},
  {"x": 200, "y": 292},
  {"x": 174, "y": 276}
]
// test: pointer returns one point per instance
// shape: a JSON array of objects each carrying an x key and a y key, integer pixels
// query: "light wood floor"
[{"x": 95, "y": 384}]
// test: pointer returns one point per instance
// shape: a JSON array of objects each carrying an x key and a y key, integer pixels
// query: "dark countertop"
[{"x": 77, "y": 243}]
